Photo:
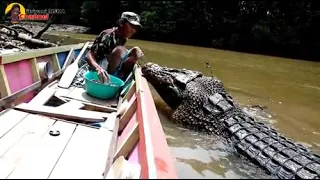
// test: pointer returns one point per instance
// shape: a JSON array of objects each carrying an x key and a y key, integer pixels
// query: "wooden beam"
[
  {"x": 131, "y": 91},
  {"x": 125, "y": 118},
  {"x": 71, "y": 105},
  {"x": 43, "y": 96},
  {"x": 128, "y": 138},
  {"x": 9, "y": 58},
  {"x": 16, "y": 95},
  {"x": 35, "y": 70},
  {"x": 92, "y": 106},
  {"x": 4, "y": 87},
  {"x": 55, "y": 62},
  {"x": 72, "y": 114},
  {"x": 80, "y": 94},
  {"x": 62, "y": 93}
]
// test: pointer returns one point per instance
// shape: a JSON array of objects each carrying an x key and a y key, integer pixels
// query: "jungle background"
[{"x": 280, "y": 28}]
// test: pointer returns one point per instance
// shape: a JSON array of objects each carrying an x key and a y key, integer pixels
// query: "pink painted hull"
[{"x": 19, "y": 73}]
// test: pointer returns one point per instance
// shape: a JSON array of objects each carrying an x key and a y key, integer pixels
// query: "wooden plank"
[
  {"x": 16, "y": 133},
  {"x": 81, "y": 95},
  {"x": 64, "y": 100},
  {"x": 131, "y": 91},
  {"x": 72, "y": 114},
  {"x": 4, "y": 87},
  {"x": 127, "y": 82},
  {"x": 62, "y": 92},
  {"x": 113, "y": 143},
  {"x": 153, "y": 147},
  {"x": 10, "y": 58},
  {"x": 96, "y": 107},
  {"x": 128, "y": 138},
  {"x": 85, "y": 155},
  {"x": 52, "y": 84},
  {"x": 71, "y": 105},
  {"x": 39, "y": 163},
  {"x": 9, "y": 118},
  {"x": 25, "y": 145},
  {"x": 71, "y": 71},
  {"x": 147, "y": 159},
  {"x": 35, "y": 70},
  {"x": 43, "y": 96},
  {"x": 93, "y": 107},
  {"x": 125, "y": 118},
  {"x": 69, "y": 59},
  {"x": 124, "y": 91},
  {"x": 16, "y": 95},
  {"x": 123, "y": 169},
  {"x": 55, "y": 62}
]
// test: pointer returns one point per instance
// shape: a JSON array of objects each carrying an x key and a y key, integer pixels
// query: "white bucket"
[{"x": 45, "y": 70}]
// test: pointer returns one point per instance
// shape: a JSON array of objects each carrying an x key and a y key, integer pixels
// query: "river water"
[{"x": 290, "y": 89}]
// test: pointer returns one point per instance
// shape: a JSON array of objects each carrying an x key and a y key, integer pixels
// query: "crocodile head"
[
  {"x": 197, "y": 101},
  {"x": 170, "y": 83}
]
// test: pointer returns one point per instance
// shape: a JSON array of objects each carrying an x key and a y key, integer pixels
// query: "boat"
[{"x": 51, "y": 130}]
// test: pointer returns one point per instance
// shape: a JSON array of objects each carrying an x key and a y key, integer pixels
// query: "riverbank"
[{"x": 37, "y": 26}]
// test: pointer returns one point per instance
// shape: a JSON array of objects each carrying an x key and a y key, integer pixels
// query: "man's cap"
[{"x": 132, "y": 18}]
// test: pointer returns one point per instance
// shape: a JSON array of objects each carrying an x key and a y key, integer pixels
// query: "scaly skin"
[{"x": 202, "y": 103}]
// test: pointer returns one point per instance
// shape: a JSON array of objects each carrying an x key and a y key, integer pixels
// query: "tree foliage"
[{"x": 288, "y": 28}]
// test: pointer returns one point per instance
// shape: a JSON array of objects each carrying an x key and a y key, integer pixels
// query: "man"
[
  {"x": 14, "y": 13},
  {"x": 108, "y": 55}
]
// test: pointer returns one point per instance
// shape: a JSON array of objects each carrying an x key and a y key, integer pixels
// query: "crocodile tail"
[{"x": 264, "y": 146}]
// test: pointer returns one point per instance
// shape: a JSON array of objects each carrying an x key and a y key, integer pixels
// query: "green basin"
[{"x": 99, "y": 90}]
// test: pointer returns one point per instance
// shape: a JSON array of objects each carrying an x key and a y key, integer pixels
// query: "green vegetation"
[{"x": 283, "y": 28}]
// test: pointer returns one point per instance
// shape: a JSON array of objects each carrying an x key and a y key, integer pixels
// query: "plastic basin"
[{"x": 99, "y": 90}]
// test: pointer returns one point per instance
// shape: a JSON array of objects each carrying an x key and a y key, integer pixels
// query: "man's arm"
[
  {"x": 91, "y": 60},
  {"x": 93, "y": 51},
  {"x": 97, "y": 50}
]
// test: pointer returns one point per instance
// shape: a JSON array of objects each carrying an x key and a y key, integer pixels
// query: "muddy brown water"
[{"x": 289, "y": 88}]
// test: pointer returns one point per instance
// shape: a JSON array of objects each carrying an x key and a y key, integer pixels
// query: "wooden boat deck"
[
  {"x": 29, "y": 147},
  {"x": 92, "y": 134}
]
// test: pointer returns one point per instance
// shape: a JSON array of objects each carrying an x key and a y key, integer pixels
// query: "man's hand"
[
  {"x": 103, "y": 75},
  {"x": 136, "y": 52}
]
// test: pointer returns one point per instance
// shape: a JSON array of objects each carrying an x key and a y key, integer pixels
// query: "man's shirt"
[{"x": 105, "y": 43}]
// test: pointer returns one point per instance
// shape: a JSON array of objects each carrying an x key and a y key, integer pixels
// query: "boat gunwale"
[
  {"x": 20, "y": 56},
  {"x": 156, "y": 161},
  {"x": 7, "y": 97}
]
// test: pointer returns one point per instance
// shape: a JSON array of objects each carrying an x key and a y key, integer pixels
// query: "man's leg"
[{"x": 115, "y": 57}]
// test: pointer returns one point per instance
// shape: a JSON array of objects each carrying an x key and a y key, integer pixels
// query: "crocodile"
[{"x": 202, "y": 103}]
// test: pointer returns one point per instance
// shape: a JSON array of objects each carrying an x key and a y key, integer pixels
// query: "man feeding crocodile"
[
  {"x": 202, "y": 103},
  {"x": 108, "y": 55}
]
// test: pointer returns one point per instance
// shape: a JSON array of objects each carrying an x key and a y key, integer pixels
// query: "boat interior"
[{"x": 65, "y": 133}]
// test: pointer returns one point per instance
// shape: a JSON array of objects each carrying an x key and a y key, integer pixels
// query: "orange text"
[{"x": 34, "y": 16}]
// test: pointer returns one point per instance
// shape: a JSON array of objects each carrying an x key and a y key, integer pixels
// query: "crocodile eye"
[{"x": 180, "y": 81}]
